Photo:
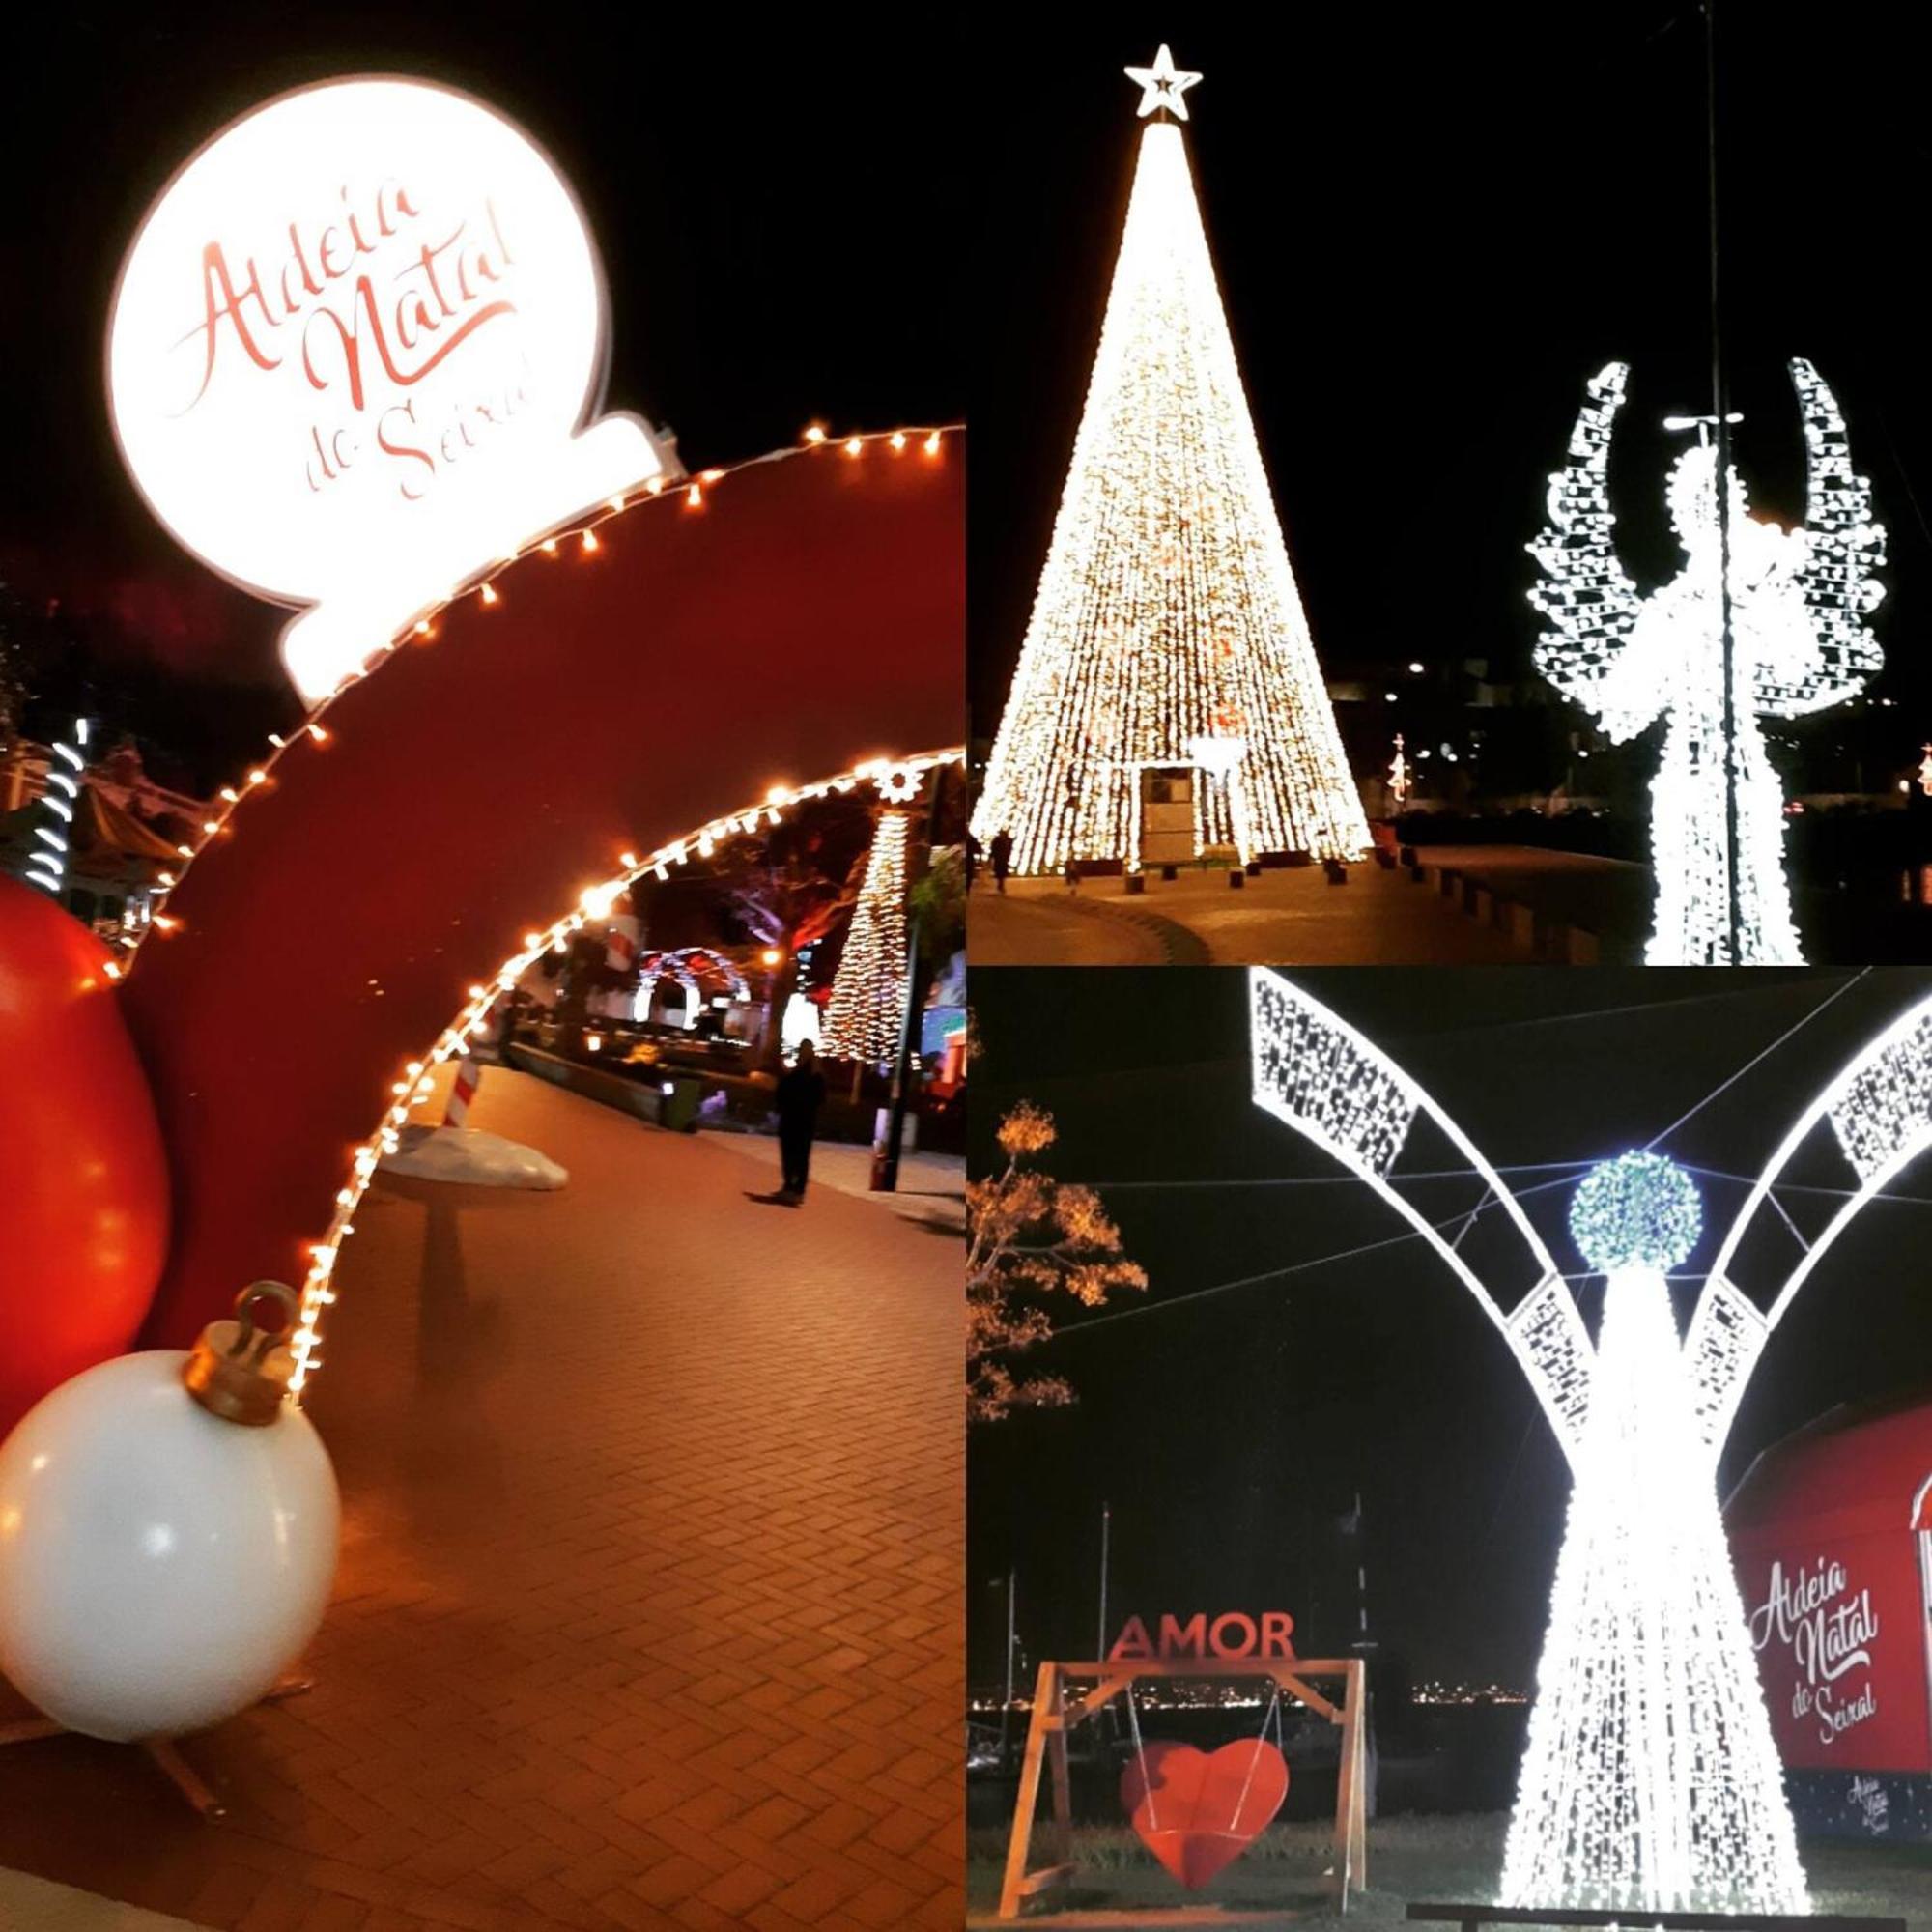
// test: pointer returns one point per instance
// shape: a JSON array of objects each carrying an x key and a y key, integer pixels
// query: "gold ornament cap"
[{"x": 240, "y": 1372}]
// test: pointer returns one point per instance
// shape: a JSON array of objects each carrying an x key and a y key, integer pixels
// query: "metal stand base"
[{"x": 161, "y": 1752}]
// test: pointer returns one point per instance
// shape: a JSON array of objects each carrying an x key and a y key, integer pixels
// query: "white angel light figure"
[
  {"x": 1800, "y": 644},
  {"x": 1650, "y": 1779}
]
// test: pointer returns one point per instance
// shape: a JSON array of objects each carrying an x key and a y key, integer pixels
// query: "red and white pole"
[{"x": 462, "y": 1090}]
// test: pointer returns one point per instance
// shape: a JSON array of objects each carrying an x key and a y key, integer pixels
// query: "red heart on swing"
[{"x": 1198, "y": 1811}]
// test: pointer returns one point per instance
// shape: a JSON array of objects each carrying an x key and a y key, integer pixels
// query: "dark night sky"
[
  {"x": 778, "y": 201},
  {"x": 1432, "y": 225},
  {"x": 1228, "y": 1432}
]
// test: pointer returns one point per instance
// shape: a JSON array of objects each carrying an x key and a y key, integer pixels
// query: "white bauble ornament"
[{"x": 161, "y": 1566}]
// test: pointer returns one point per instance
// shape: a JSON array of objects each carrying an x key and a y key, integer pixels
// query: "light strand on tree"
[
  {"x": 1167, "y": 612},
  {"x": 868, "y": 991},
  {"x": 1798, "y": 603}
]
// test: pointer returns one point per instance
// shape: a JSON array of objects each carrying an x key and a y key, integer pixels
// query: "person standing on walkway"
[
  {"x": 1000, "y": 851},
  {"x": 799, "y": 1096}
]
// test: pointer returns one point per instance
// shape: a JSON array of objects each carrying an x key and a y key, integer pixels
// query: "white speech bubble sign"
[{"x": 352, "y": 356}]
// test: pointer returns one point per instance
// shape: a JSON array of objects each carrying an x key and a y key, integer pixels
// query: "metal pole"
[
  {"x": 1106, "y": 1525},
  {"x": 1722, "y": 409},
  {"x": 1007, "y": 1704}
]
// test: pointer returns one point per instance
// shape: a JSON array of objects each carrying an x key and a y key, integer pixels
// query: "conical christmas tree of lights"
[
  {"x": 868, "y": 991},
  {"x": 1167, "y": 630}
]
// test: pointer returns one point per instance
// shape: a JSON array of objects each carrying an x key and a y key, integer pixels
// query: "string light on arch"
[
  {"x": 898, "y": 784},
  {"x": 425, "y": 624},
  {"x": 1650, "y": 1778},
  {"x": 414, "y": 1081}
]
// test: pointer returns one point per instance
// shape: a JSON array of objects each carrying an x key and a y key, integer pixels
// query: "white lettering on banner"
[
  {"x": 351, "y": 352},
  {"x": 1829, "y": 1632},
  {"x": 1874, "y": 1805}
]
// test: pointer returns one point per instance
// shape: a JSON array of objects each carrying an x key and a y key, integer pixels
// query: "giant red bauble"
[{"x": 83, "y": 1176}]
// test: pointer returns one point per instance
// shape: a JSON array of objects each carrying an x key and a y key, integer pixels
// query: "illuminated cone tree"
[
  {"x": 1167, "y": 633},
  {"x": 868, "y": 991}
]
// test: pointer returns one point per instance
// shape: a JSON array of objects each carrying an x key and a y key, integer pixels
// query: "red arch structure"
[{"x": 590, "y": 702}]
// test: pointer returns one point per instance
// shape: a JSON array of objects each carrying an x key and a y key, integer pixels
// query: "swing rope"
[
  {"x": 1271, "y": 1716},
  {"x": 1140, "y": 1758},
  {"x": 1273, "y": 1713}
]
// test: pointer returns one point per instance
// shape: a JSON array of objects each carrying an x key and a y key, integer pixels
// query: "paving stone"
[{"x": 653, "y": 1527}]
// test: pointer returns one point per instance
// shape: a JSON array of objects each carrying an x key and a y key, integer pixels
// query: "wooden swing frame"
[{"x": 1055, "y": 1715}]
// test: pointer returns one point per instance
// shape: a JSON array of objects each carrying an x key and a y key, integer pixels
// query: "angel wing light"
[
  {"x": 1798, "y": 599},
  {"x": 1650, "y": 1779}
]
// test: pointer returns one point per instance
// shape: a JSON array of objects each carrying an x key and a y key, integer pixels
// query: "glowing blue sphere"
[{"x": 1639, "y": 1210}]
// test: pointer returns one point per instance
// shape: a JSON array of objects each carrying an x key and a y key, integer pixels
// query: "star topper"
[{"x": 1162, "y": 85}]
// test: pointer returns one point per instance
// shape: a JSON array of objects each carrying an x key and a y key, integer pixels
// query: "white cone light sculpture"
[
  {"x": 1167, "y": 615},
  {"x": 1649, "y": 1780},
  {"x": 168, "y": 1533}
]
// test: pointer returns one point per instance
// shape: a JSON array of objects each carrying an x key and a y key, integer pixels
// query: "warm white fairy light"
[
  {"x": 1167, "y": 611},
  {"x": 867, "y": 1009},
  {"x": 896, "y": 784},
  {"x": 1650, "y": 1779},
  {"x": 1798, "y": 604},
  {"x": 474, "y": 1018},
  {"x": 312, "y": 731},
  {"x": 681, "y": 965}
]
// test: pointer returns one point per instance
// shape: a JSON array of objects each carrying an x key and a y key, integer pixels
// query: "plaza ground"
[
  {"x": 649, "y": 1612},
  {"x": 1462, "y": 905},
  {"x": 1411, "y": 1858},
  {"x": 1292, "y": 915}
]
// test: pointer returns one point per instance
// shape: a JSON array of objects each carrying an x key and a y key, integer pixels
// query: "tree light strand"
[{"x": 867, "y": 1009}]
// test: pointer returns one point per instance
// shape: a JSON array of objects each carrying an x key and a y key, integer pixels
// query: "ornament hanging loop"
[{"x": 240, "y": 1372}]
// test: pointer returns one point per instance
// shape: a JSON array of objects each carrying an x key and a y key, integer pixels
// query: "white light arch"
[
  {"x": 1301, "y": 1049},
  {"x": 1618, "y": 1809}
]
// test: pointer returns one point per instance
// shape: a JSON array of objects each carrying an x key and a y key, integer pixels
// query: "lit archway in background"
[{"x": 805, "y": 611}]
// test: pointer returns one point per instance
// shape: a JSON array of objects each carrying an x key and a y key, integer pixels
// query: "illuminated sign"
[
  {"x": 352, "y": 354},
  {"x": 1232, "y": 1634}
]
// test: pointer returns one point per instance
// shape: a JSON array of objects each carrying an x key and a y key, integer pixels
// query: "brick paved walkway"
[{"x": 649, "y": 1612}]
